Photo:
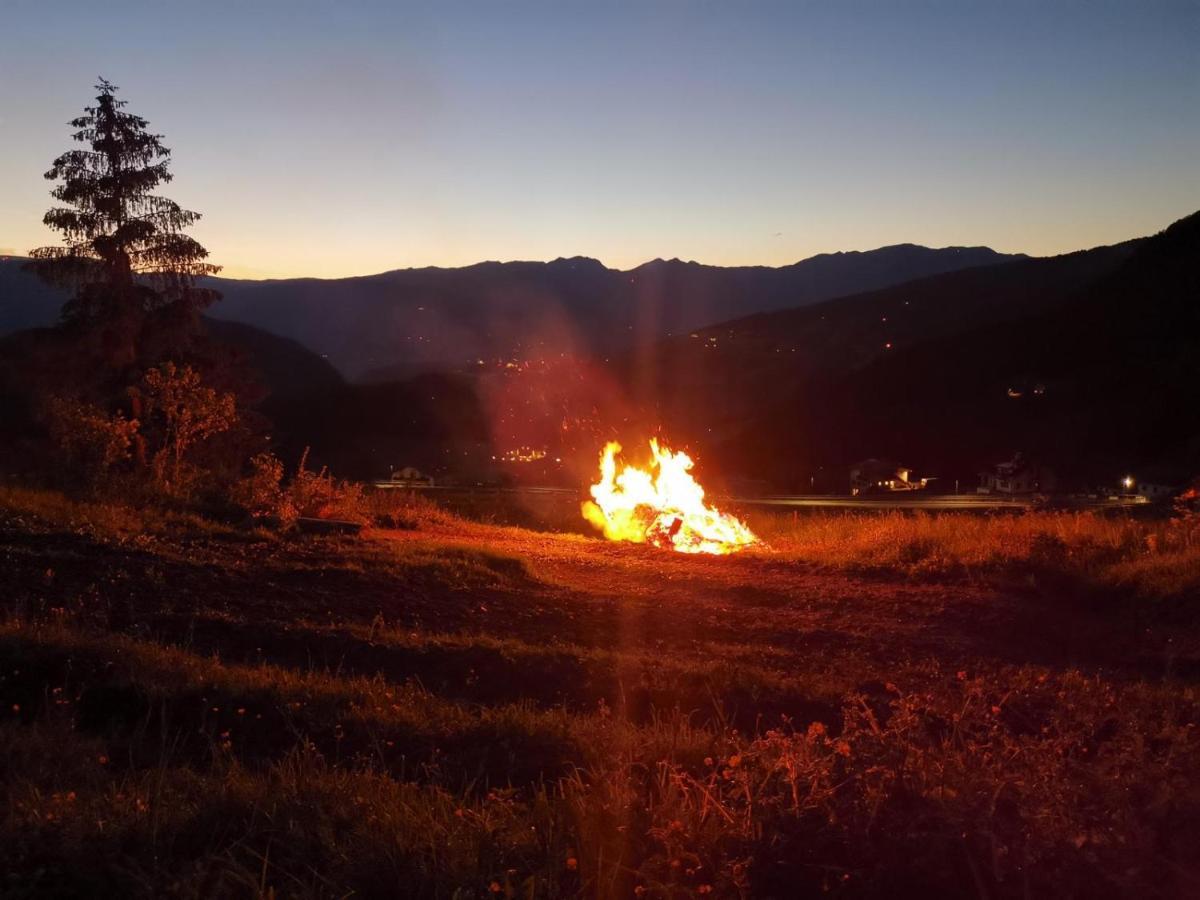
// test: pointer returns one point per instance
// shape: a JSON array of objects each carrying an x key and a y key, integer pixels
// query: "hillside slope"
[
  {"x": 1095, "y": 374},
  {"x": 709, "y": 385}
]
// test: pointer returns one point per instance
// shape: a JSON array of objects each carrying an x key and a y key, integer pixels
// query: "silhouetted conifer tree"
[{"x": 125, "y": 255}]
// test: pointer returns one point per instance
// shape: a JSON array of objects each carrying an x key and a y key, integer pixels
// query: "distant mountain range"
[
  {"x": 399, "y": 323},
  {"x": 944, "y": 359}
]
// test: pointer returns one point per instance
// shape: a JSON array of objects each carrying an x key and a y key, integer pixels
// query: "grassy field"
[{"x": 880, "y": 706}]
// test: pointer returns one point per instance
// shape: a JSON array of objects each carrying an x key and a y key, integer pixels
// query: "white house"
[{"x": 1018, "y": 475}]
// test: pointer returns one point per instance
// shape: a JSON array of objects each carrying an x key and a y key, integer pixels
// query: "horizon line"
[{"x": 11, "y": 253}]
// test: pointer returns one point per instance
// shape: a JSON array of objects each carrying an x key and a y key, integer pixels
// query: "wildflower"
[
  {"x": 842, "y": 748},
  {"x": 494, "y": 887},
  {"x": 995, "y": 710},
  {"x": 735, "y": 760},
  {"x": 708, "y": 761},
  {"x": 704, "y": 889},
  {"x": 815, "y": 730},
  {"x": 572, "y": 863},
  {"x": 962, "y": 675}
]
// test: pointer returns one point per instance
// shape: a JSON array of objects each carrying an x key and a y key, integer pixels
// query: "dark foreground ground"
[{"x": 462, "y": 710}]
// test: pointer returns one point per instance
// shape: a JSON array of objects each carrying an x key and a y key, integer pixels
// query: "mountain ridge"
[{"x": 412, "y": 320}]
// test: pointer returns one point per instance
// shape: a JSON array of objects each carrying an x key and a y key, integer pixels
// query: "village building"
[
  {"x": 1156, "y": 483},
  {"x": 410, "y": 477},
  {"x": 1018, "y": 475},
  {"x": 873, "y": 476},
  {"x": 1155, "y": 491}
]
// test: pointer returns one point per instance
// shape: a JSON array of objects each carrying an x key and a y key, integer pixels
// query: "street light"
[{"x": 1128, "y": 482}]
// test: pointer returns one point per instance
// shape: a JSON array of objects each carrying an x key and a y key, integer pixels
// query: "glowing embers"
[{"x": 660, "y": 505}]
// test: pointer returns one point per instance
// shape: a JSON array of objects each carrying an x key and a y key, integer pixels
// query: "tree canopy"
[{"x": 124, "y": 250}]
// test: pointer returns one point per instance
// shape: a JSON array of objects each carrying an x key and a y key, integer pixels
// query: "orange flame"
[{"x": 666, "y": 509}]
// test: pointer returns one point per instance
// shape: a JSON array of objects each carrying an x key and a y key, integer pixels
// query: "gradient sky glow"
[{"x": 349, "y": 138}]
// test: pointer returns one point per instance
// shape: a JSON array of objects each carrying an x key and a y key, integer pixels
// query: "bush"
[
  {"x": 90, "y": 441},
  {"x": 261, "y": 493},
  {"x": 405, "y": 509},
  {"x": 172, "y": 413},
  {"x": 309, "y": 494},
  {"x": 179, "y": 412},
  {"x": 319, "y": 495}
]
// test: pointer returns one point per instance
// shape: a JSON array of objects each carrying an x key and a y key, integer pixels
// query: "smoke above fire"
[{"x": 661, "y": 504}]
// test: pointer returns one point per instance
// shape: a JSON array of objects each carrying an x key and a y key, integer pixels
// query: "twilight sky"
[{"x": 352, "y": 137}]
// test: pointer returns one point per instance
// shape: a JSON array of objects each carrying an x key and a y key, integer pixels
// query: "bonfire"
[{"x": 661, "y": 505}]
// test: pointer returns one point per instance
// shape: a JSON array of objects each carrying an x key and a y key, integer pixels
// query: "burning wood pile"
[{"x": 661, "y": 505}]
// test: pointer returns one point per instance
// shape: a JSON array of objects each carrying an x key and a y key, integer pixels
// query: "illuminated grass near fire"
[{"x": 443, "y": 702}]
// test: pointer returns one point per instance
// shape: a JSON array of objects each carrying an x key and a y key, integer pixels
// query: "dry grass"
[
  {"x": 457, "y": 710},
  {"x": 405, "y": 509},
  {"x": 107, "y": 518},
  {"x": 1154, "y": 558},
  {"x": 1151, "y": 557}
]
